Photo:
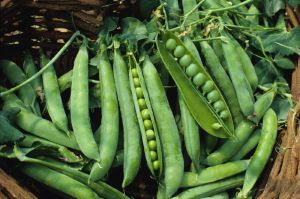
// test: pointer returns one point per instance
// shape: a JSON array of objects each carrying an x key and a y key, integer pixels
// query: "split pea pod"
[
  {"x": 132, "y": 141},
  {"x": 109, "y": 128},
  {"x": 214, "y": 173},
  {"x": 15, "y": 75},
  {"x": 144, "y": 112},
  {"x": 262, "y": 153},
  {"x": 199, "y": 91},
  {"x": 243, "y": 131},
  {"x": 219, "y": 74},
  {"x": 168, "y": 132},
  {"x": 80, "y": 118},
  {"x": 211, "y": 188},
  {"x": 240, "y": 82},
  {"x": 58, "y": 181},
  {"x": 54, "y": 102},
  {"x": 190, "y": 133}
]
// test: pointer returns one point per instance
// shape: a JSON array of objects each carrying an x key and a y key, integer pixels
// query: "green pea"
[
  {"x": 150, "y": 134},
  {"x": 142, "y": 104},
  {"x": 156, "y": 165},
  {"x": 224, "y": 114},
  {"x": 213, "y": 96},
  {"x": 219, "y": 105},
  {"x": 145, "y": 114},
  {"x": 136, "y": 82},
  {"x": 199, "y": 79},
  {"x": 192, "y": 70},
  {"x": 139, "y": 93},
  {"x": 152, "y": 145},
  {"x": 179, "y": 51},
  {"x": 171, "y": 44},
  {"x": 185, "y": 61},
  {"x": 134, "y": 72},
  {"x": 208, "y": 86},
  {"x": 153, "y": 155},
  {"x": 216, "y": 126},
  {"x": 148, "y": 124}
]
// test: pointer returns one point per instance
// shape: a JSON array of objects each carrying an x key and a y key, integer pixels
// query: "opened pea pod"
[{"x": 200, "y": 93}]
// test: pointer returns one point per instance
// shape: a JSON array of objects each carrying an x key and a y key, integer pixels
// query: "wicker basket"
[{"x": 48, "y": 24}]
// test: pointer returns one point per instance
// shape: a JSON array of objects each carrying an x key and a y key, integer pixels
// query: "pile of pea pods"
[{"x": 191, "y": 93}]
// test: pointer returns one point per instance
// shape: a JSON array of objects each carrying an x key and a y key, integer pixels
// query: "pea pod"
[
  {"x": 168, "y": 132},
  {"x": 109, "y": 129},
  {"x": 132, "y": 142},
  {"x": 79, "y": 106},
  {"x": 254, "y": 15},
  {"x": 199, "y": 92},
  {"x": 262, "y": 153},
  {"x": 149, "y": 135},
  {"x": 223, "y": 195}
]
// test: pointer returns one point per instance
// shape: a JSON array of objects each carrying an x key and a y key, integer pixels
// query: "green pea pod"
[
  {"x": 190, "y": 133},
  {"x": 187, "y": 7},
  {"x": 80, "y": 105},
  {"x": 132, "y": 141},
  {"x": 16, "y": 76},
  {"x": 214, "y": 173},
  {"x": 168, "y": 132},
  {"x": 54, "y": 102},
  {"x": 210, "y": 143},
  {"x": 243, "y": 131},
  {"x": 109, "y": 128},
  {"x": 30, "y": 69},
  {"x": 248, "y": 146},
  {"x": 219, "y": 74},
  {"x": 254, "y": 15},
  {"x": 262, "y": 153},
  {"x": 223, "y": 195},
  {"x": 149, "y": 134},
  {"x": 200, "y": 102},
  {"x": 188, "y": 42},
  {"x": 241, "y": 84},
  {"x": 211, "y": 188}
]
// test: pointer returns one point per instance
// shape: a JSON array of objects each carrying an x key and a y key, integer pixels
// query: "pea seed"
[
  {"x": 179, "y": 51},
  {"x": 142, "y": 104},
  {"x": 171, "y": 44},
  {"x": 145, "y": 114},
  {"x": 150, "y": 134},
  {"x": 192, "y": 70},
  {"x": 224, "y": 115},
  {"x": 199, "y": 79},
  {"x": 216, "y": 126},
  {"x": 136, "y": 82},
  {"x": 139, "y": 93},
  {"x": 153, "y": 155},
  {"x": 134, "y": 72},
  {"x": 156, "y": 165},
  {"x": 208, "y": 86},
  {"x": 152, "y": 145},
  {"x": 219, "y": 106},
  {"x": 213, "y": 96},
  {"x": 148, "y": 124},
  {"x": 185, "y": 61}
]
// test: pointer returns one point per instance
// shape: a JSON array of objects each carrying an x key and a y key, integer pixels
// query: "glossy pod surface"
[{"x": 199, "y": 92}]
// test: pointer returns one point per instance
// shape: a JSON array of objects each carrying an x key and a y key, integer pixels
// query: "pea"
[
  {"x": 139, "y": 93},
  {"x": 145, "y": 114},
  {"x": 219, "y": 105},
  {"x": 136, "y": 82},
  {"x": 156, "y": 165},
  {"x": 208, "y": 86},
  {"x": 152, "y": 145},
  {"x": 150, "y": 134},
  {"x": 213, "y": 96},
  {"x": 216, "y": 126},
  {"x": 224, "y": 114},
  {"x": 185, "y": 61},
  {"x": 142, "y": 104},
  {"x": 192, "y": 70},
  {"x": 171, "y": 44},
  {"x": 134, "y": 72},
  {"x": 199, "y": 79},
  {"x": 148, "y": 124},
  {"x": 153, "y": 155},
  {"x": 179, "y": 51}
]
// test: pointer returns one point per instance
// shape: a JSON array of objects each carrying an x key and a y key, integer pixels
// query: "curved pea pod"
[
  {"x": 139, "y": 91},
  {"x": 199, "y": 92},
  {"x": 262, "y": 153}
]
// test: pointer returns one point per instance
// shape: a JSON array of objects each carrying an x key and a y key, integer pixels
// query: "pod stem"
[{"x": 58, "y": 54}]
